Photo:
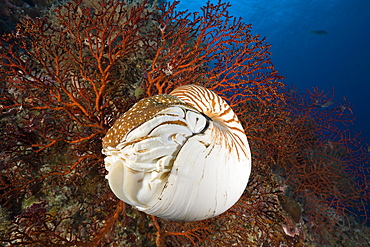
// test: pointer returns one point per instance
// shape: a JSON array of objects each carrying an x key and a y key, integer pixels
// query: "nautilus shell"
[{"x": 182, "y": 156}]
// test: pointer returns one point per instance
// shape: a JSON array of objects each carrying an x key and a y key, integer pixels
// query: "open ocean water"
[{"x": 339, "y": 59}]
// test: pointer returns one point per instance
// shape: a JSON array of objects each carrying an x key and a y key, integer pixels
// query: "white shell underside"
[
  {"x": 207, "y": 189},
  {"x": 180, "y": 165}
]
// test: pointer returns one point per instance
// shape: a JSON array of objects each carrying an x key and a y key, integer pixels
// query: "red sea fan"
[
  {"x": 66, "y": 77},
  {"x": 327, "y": 168}
]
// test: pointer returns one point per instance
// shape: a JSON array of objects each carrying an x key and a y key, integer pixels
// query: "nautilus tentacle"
[{"x": 182, "y": 156}]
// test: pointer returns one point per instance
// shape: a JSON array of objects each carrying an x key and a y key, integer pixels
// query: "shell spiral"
[{"x": 182, "y": 156}]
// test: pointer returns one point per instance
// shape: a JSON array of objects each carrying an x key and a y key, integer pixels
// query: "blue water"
[{"x": 340, "y": 59}]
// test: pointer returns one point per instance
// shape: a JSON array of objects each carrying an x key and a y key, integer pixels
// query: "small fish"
[{"x": 319, "y": 32}]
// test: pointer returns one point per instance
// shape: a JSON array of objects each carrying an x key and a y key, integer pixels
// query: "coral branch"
[{"x": 66, "y": 77}]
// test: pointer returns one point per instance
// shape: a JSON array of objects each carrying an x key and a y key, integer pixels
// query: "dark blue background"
[{"x": 340, "y": 59}]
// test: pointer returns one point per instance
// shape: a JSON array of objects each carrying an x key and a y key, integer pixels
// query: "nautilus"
[{"x": 181, "y": 156}]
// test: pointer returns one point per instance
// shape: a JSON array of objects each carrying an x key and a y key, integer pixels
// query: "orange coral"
[
  {"x": 325, "y": 165},
  {"x": 68, "y": 76}
]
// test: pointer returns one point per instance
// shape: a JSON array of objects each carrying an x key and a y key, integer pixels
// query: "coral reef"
[
  {"x": 67, "y": 76},
  {"x": 12, "y": 11}
]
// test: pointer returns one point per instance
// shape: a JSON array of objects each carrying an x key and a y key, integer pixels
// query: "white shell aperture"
[{"x": 182, "y": 156}]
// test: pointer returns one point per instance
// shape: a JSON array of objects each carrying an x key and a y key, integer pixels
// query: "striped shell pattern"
[{"x": 182, "y": 156}]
